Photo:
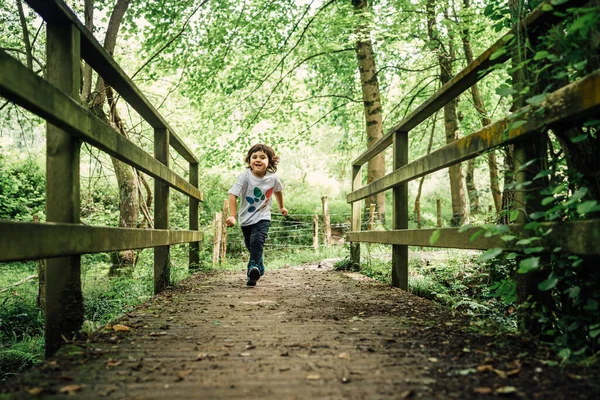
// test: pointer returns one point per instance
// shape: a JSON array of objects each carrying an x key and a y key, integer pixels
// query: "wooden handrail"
[
  {"x": 579, "y": 99},
  {"x": 103, "y": 63},
  {"x": 472, "y": 73}
]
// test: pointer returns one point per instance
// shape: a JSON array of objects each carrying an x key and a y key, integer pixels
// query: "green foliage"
[{"x": 22, "y": 190}]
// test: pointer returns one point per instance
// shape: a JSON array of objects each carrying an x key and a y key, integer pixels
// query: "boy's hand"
[
  {"x": 230, "y": 221},
  {"x": 284, "y": 211}
]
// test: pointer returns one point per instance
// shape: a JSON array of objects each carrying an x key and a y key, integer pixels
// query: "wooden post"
[
  {"x": 400, "y": 221},
  {"x": 316, "y": 232},
  {"x": 355, "y": 216},
  {"x": 371, "y": 217},
  {"x": 224, "y": 230},
  {"x": 194, "y": 248},
  {"x": 218, "y": 235},
  {"x": 162, "y": 268},
  {"x": 326, "y": 221},
  {"x": 438, "y": 204},
  {"x": 64, "y": 298},
  {"x": 41, "y": 297},
  {"x": 418, "y": 212}
]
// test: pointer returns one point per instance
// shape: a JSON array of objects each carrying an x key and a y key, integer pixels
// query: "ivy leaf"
[
  {"x": 542, "y": 174},
  {"x": 540, "y": 55},
  {"x": 574, "y": 292},
  {"x": 537, "y": 215},
  {"x": 476, "y": 235},
  {"x": 505, "y": 91},
  {"x": 497, "y": 54},
  {"x": 508, "y": 238},
  {"x": 547, "y": 200},
  {"x": 489, "y": 254},
  {"x": 529, "y": 264},
  {"x": 549, "y": 283},
  {"x": 514, "y": 214},
  {"x": 435, "y": 237},
  {"x": 547, "y": 7},
  {"x": 579, "y": 138}
]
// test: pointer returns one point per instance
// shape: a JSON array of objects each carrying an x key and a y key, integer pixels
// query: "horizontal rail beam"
[
  {"x": 25, "y": 88},
  {"x": 472, "y": 73},
  {"x": 29, "y": 241},
  {"x": 103, "y": 63},
  {"x": 576, "y": 237},
  {"x": 576, "y": 100}
]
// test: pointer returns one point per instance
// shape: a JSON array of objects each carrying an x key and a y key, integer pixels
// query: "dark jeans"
[{"x": 254, "y": 238}]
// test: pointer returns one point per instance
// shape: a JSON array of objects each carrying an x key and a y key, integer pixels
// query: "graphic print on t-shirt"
[{"x": 259, "y": 196}]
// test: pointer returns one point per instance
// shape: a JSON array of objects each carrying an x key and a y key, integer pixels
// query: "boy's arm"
[
  {"x": 230, "y": 221},
  {"x": 279, "y": 198}
]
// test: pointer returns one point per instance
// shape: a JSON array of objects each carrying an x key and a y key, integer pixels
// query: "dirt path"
[{"x": 303, "y": 332}]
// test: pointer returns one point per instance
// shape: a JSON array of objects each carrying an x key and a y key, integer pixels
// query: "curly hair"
[{"x": 273, "y": 158}]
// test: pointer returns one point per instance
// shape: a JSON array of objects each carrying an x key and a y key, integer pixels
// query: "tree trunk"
[
  {"x": 417, "y": 209},
  {"x": 86, "y": 76},
  {"x": 372, "y": 105},
  {"x": 125, "y": 174},
  {"x": 445, "y": 57},
  {"x": 485, "y": 120},
  {"x": 26, "y": 40},
  {"x": 472, "y": 192}
]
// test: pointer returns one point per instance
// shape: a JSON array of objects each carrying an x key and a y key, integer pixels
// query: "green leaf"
[
  {"x": 578, "y": 195},
  {"x": 497, "y": 54},
  {"x": 532, "y": 250},
  {"x": 489, "y": 254},
  {"x": 560, "y": 188},
  {"x": 514, "y": 214},
  {"x": 435, "y": 237},
  {"x": 579, "y": 138},
  {"x": 547, "y": 7},
  {"x": 588, "y": 207},
  {"x": 536, "y": 100},
  {"x": 464, "y": 228},
  {"x": 547, "y": 200},
  {"x": 558, "y": 2},
  {"x": 594, "y": 333},
  {"x": 516, "y": 125},
  {"x": 537, "y": 215},
  {"x": 580, "y": 65},
  {"x": 508, "y": 238},
  {"x": 476, "y": 235},
  {"x": 489, "y": 10},
  {"x": 564, "y": 354},
  {"x": 591, "y": 305},
  {"x": 574, "y": 292},
  {"x": 540, "y": 55},
  {"x": 529, "y": 264},
  {"x": 542, "y": 174},
  {"x": 505, "y": 91},
  {"x": 548, "y": 284},
  {"x": 511, "y": 256}
]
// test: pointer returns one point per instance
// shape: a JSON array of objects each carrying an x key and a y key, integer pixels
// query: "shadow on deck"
[{"x": 303, "y": 332}]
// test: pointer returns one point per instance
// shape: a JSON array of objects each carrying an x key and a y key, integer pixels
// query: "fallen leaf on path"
[
  {"x": 35, "y": 391},
  {"x": 345, "y": 356},
  {"x": 182, "y": 374},
  {"x": 313, "y": 377},
  {"x": 157, "y": 333},
  {"x": 120, "y": 328},
  {"x": 483, "y": 390},
  {"x": 345, "y": 379},
  {"x": 506, "y": 390},
  {"x": 433, "y": 359},
  {"x": 201, "y": 356},
  {"x": 113, "y": 363},
  {"x": 245, "y": 354},
  {"x": 70, "y": 389},
  {"x": 407, "y": 394}
]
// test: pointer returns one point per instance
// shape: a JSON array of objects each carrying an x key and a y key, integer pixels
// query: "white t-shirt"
[{"x": 256, "y": 196}]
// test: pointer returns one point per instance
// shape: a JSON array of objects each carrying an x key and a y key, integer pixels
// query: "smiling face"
[{"x": 259, "y": 162}]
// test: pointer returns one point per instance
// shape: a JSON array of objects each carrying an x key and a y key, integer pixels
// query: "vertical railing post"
[
  {"x": 162, "y": 267},
  {"x": 316, "y": 232},
  {"x": 400, "y": 208},
  {"x": 355, "y": 219},
  {"x": 64, "y": 299},
  {"x": 326, "y": 221},
  {"x": 224, "y": 231},
  {"x": 194, "y": 253}
]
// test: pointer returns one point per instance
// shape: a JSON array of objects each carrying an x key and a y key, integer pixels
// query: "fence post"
[
  {"x": 326, "y": 221},
  {"x": 162, "y": 269},
  {"x": 194, "y": 248},
  {"x": 218, "y": 234},
  {"x": 438, "y": 204},
  {"x": 371, "y": 217},
  {"x": 316, "y": 232},
  {"x": 355, "y": 216},
  {"x": 64, "y": 298},
  {"x": 41, "y": 297},
  {"x": 224, "y": 230},
  {"x": 400, "y": 221}
]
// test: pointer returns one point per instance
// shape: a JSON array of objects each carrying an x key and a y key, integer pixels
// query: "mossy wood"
[
  {"x": 577, "y": 237},
  {"x": 30, "y": 241},
  {"x": 32, "y": 92},
  {"x": 579, "y": 99},
  {"x": 103, "y": 63},
  {"x": 471, "y": 74}
]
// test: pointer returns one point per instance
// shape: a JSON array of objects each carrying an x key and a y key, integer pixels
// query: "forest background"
[{"x": 229, "y": 74}]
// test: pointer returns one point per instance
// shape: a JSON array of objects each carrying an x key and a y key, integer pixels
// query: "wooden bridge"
[{"x": 302, "y": 333}]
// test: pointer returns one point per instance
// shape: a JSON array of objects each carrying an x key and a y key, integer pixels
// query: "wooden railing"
[
  {"x": 576, "y": 100},
  {"x": 63, "y": 238}
]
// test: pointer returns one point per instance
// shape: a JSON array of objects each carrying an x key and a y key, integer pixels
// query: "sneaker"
[{"x": 253, "y": 275}]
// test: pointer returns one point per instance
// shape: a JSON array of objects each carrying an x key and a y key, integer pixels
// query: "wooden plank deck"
[{"x": 301, "y": 333}]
